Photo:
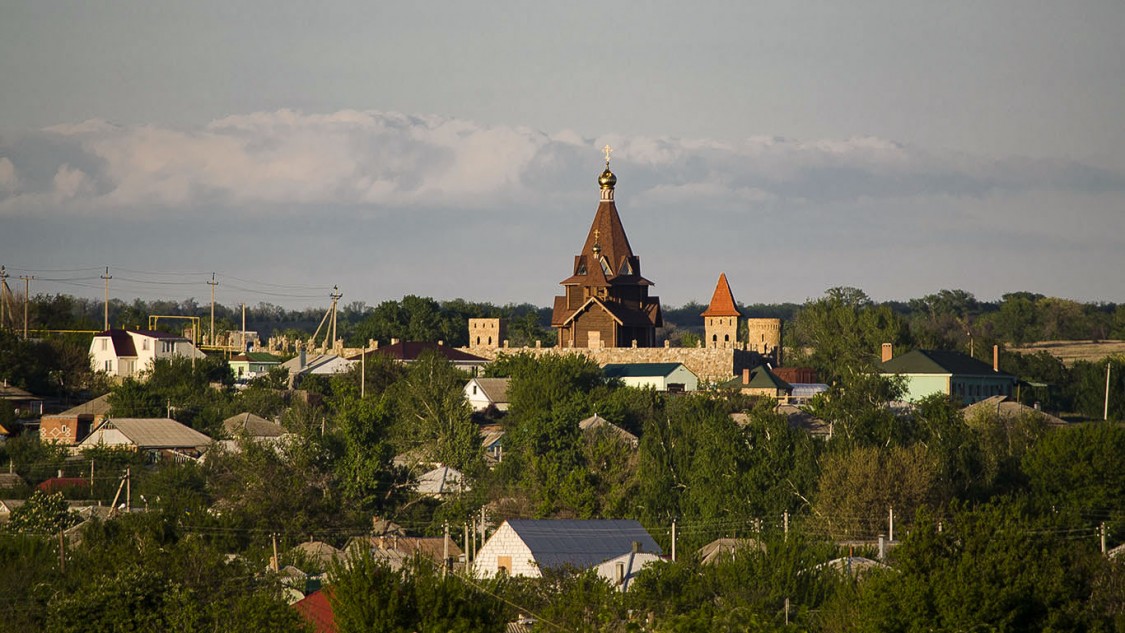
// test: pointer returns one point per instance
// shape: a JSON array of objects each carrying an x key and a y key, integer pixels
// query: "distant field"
[{"x": 1069, "y": 352}]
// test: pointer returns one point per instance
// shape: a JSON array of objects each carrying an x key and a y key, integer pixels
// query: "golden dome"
[{"x": 607, "y": 180}]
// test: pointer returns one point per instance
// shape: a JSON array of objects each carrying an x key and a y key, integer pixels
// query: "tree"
[
  {"x": 432, "y": 415},
  {"x": 844, "y": 331},
  {"x": 43, "y": 513},
  {"x": 859, "y": 486}
]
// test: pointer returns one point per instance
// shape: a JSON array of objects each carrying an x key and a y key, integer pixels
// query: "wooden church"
[{"x": 606, "y": 302}]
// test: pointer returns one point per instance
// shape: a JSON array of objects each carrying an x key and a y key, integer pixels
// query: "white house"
[
  {"x": 323, "y": 364},
  {"x": 659, "y": 376},
  {"x": 126, "y": 353},
  {"x": 523, "y": 547},
  {"x": 485, "y": 392},
  {"x": 621, "y": 570}
]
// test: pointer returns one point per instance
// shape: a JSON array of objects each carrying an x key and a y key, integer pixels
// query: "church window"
[
  {"x": 626, "y": 269},
  {"x": 605, "y": 266},
  {"x": 581, "y": 269}
]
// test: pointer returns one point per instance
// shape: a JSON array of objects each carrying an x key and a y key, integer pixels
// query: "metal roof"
[
  {"x": 153, "y": 433},
  {"x": 939, "y": 362},
  {"x": 639, "y": 370},
  {"x": 580, "y": 543}
]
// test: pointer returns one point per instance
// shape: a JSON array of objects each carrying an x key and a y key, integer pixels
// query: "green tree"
[
  {"x": 844, "y": 331},
  {"x": 42, "y": 513},
  {"x": 432, "y": 416}
]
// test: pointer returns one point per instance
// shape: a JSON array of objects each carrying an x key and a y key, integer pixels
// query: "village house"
[
  {"x": 953, "y": 374},
  {"x": 125, "y": 353},
  {"x": 659, "y": 376},
  {"x": 74, "y": 424},
  {"x": 525, "y": 547},
  {"x": 158, "y": 437},
  {"x": 482, "y": 393}
]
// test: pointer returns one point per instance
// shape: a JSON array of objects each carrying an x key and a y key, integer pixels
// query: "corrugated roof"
[
  {"x": 1008, "y": 409},
  {"x": 252, "y": 425},
  {"x": 97, "y": 406},
  {"x": 153, "y": 433},
  {"x": 923, "y": 361},
  {"x": 639, "y": 370},
  {"x": 581, "y": 543},
  {"x": 722, "y": 302},
  {"x": 411, "y": 350},
  {"x": 317, "y": 611}
]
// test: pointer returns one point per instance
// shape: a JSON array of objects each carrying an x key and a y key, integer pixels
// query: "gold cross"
[
  {"x": 608, "y": 150},
  {"x": 597, "y": 233}
]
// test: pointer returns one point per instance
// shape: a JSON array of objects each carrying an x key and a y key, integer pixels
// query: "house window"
[
  {"x": 105, "y": 344},
  {"x": 108, "y": 366},
  {"x": 166, "y": 347},
  {"x": 144, "y": 345},
  {"x": 504, "y": 564},
  {"x": 474, "y": 390}
]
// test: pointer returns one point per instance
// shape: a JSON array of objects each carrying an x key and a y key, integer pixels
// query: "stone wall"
[{"x": 709, "y": 364}]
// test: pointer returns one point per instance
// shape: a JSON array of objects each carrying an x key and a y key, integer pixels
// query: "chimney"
[
  {"x": 996, "y": 358},
  {"x": 746, "y": 375},
  {"x": 636, "y": 546},
  {"x": 888, "y": 352},
  {"x": 302, "y": 362}
]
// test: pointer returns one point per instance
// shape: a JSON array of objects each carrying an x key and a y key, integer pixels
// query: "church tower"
[
  {"x": 606, "y": 302},
  {"x": 720, "y": 320}
]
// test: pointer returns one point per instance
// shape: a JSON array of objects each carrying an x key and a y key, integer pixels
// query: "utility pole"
[
  {"x": 1105, "y": 414},
  {"x": 363, "y": 373},
  {"x": 336, "y": 294},
  {"x": 243, "y": 327},
  {"x": 1103, "y": 538},
  {"x": 445, "y": 552},
  {"x": 129, "y": 489},
  {"x": 62, "y": 552},
  {"x": 673, "y": 540},
  {"x": 26, "y": 300},
  {"x": 106, "y": 277},
  {"x": 3, "y": 288},
  {"x": 468, "y": 554},
  {"x": 275, "y": 563},
  {"x": 212, "y": 283},
  {"x": 891, "y": 524},
  {"x": 785, "y": 524}
]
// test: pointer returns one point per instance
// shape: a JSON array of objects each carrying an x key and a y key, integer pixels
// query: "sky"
[{"x": 451, "y": 149}]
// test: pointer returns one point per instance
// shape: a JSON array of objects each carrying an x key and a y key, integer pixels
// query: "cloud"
[{"x": 389, "y": 162}]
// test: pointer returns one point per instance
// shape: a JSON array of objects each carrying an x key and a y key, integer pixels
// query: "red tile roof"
[
  {"x": 317, "y": 611},
  {"x": 722, "y": 302}
]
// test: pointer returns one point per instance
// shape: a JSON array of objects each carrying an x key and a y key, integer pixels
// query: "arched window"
[
  {"x": 490, "y": 340},
  {"x": 478, "y": 340},
  {"x": 714, "y": 338},
  {"x": 726, "y": 338}
]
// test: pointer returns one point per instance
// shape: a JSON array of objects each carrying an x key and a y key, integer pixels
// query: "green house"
[
  {"x": 954, "y": 374},
  {"x": 252, "y": 364}
]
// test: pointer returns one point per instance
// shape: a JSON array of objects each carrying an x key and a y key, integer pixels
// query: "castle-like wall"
[{"x": 709, "y": 364}]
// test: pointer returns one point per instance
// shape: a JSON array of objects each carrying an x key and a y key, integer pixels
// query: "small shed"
[
  {"x": 487, "y": 392},
  {"x": 621, "y": 570}
]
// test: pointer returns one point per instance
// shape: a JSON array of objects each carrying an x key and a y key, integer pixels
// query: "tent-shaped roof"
[
  {"x": 152, "y": 433},
  {"x": 1008, "y": 408},
  {"x": 597, "y": 422},
  {"x": 252, "y": 425},
  {"x": 560, "y": 542},
  {"x": 940, "y": 362},
  {"x": 760, "y": 378},
  {"x": 722, "y": 302}
]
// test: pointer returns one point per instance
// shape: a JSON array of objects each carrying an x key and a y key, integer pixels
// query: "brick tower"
[{"x": 720, "y": 320}]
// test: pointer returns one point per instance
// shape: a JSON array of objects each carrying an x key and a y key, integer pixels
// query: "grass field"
[{"x": 1070, "y": 352}]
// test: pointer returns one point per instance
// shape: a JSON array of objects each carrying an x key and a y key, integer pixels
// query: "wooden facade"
[{"x": 606, "y": 301}]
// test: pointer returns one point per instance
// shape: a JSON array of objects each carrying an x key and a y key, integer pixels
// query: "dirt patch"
[{"x": 1070, "y": 352}]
